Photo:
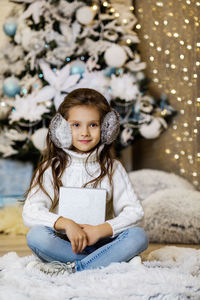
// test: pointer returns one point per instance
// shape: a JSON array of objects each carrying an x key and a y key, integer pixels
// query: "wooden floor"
[{"x": 18, "y": 244}]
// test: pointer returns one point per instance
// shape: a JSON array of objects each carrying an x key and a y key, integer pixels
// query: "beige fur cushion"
[
  {"x": 148, "y": 181},
  {"x": 173, "y": 216},
  {"x": 11, "y": 220}
]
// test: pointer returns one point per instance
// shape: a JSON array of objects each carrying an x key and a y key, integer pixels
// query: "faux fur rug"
[{"x": 171, "y": 279}]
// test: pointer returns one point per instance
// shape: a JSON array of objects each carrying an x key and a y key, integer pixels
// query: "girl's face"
[{"x": 85, "y": 126}]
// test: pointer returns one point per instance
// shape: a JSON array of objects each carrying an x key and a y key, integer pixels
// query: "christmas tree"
[{"x": 57, "y": 46}]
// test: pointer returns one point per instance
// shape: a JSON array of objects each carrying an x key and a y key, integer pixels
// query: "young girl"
[{"x": 79, "y": 154}]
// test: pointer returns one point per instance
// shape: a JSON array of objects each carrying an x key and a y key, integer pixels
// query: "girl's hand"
[
  {"x": 92, "y": 233},
  {"x": 74, "y": 232},
  {"x": 95, "y": 233}
]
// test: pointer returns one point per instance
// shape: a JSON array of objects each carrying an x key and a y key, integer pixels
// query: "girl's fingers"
[
  {"x": 80, "y": 243},
  {"x": 79, "y": 246},
  {"x": 84, "y": 244},
  {"x": 73, "y": 246}
]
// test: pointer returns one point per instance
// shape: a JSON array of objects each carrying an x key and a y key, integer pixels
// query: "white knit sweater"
[{"x": 123, "y": 209}]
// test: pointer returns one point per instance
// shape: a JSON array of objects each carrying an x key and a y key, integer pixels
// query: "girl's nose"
[{"x": 84, "y": 131}]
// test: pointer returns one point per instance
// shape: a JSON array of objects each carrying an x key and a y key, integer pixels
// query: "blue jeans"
[{"x": 50, "y": 245}]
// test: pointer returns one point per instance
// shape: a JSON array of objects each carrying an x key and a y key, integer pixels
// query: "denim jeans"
[{"x": 50, "y": 245}]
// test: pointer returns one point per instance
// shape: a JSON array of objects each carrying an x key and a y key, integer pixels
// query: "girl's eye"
[
  {"x": 94, "y": 125},
  {"x": 75, "y": 125}
]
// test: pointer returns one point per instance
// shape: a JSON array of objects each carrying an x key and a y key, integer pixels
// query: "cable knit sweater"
[{"x": 123, "y": 209}]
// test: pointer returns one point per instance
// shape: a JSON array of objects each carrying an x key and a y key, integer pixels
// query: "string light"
[
  {"x": 194, "y": 174},
  {"x": 159, "y": 3},
  {"x": 94, "y": 7},
  {"x": 176, "y": 35},
  {"x": 125, "y": 21}
]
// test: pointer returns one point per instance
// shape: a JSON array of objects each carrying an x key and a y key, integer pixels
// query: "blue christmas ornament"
[
  {"x": 10, "y": 27},
  {"x": 11, "y": 87},
  {"x": 109, "y": 71},
  {"x": 77, "y": 68}
]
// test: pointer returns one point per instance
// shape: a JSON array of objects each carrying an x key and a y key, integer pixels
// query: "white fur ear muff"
[
  {"x": 60, "y": 132},
  {"x": 110, "y": 127}
]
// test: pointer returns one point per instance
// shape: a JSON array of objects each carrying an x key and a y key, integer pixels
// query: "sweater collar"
[{"x": 80, "y": 158}]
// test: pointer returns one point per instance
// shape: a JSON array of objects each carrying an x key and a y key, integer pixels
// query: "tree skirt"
[{"x": 150, "y": 280}]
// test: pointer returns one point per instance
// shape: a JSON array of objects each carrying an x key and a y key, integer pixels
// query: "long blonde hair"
[{"x": 58, "y": 160}]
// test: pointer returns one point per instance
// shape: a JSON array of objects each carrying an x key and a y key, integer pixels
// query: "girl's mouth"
[{"x": 84, "y": 141}]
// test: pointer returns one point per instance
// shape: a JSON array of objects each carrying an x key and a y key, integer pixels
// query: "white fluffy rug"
[{"x": 178, "y": 277}]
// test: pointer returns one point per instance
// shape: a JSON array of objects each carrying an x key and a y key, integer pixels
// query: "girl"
[{"x": 79, "y": 154}]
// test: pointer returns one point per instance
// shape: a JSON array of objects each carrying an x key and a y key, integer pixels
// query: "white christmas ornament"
[
  {"x": 153, "y": 130},
  {"x": 39, "y": 139},
  {"x": 85, "y": 15},
  {"x": 115, "y": 56}
]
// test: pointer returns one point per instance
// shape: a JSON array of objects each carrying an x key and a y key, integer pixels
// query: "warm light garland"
[{"x": 170, "y": 41}]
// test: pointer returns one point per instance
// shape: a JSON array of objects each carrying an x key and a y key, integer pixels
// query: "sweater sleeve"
[
  {"x": 127, "y": 209},
  {"x": 36, "y": 210}
]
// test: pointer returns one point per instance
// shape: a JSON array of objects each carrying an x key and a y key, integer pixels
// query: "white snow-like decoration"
[
  {"x": 11, "y": 59},
  {"x": 124, "y": 87},
  {"x": 15, "y": 135},
  {"x": 94, "y": 48},
  {"x": 6, "y": 144},
  {"x": 31, "y": 82},
  {"x": 94, "y": 80},
  {"x": 27, "y": 108},
  {"x": 136, "y": 65},
  {"x": 35, "y": 10},
  {"x": 59, "y": 81},
  {"x": 67, "y": 9},
  {"x": 125, "y": 14}
]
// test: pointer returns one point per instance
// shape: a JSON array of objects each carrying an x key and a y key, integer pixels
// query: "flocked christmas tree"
[{"x": 57, "y": 46}]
